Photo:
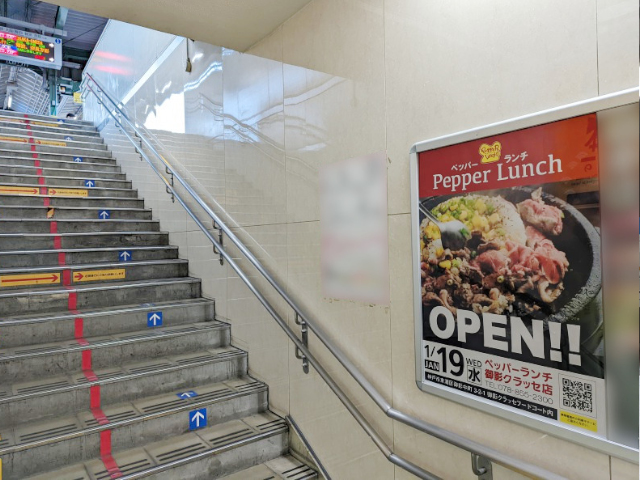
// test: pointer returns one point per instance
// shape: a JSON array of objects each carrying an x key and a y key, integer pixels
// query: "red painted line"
[
  {"x": 62, "y": 258},
  {"x": 66, "y": 277},
  {"x": 43, "y": 191},
  {"x": 36, "y": 162},
  {"x": 57, "y": 242},
  {"x": 86, "y": 358},
  {"x": 79, "y": 328},
  {"x": 35, "y": 155},
  {"x": 41, "y": 181},
  {"x": 47, "y": 201},
  {"x": 39, "y": 172},
  {"x": 102, "y": 419},
  {"x": 94, "y": 391},
  {"x": 73, "y": 299},
  {"x": 111, "y": 466},
  {"x": 53, "y": 228}
]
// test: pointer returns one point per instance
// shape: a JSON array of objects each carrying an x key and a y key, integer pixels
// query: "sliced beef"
[
  {"x": 492, "y": 261},
  {"x": 546, "y": 218}
]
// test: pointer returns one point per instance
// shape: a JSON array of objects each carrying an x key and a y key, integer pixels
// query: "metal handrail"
[{"x": 445, "y": 435}]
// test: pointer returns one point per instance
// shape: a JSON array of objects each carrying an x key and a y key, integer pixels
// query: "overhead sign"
[
  {"x": 30, "y": 48},
  {"x": 507, "y": 274}
]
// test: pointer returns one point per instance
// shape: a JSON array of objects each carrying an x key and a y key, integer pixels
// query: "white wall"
[{"x": 344, "y": 78}]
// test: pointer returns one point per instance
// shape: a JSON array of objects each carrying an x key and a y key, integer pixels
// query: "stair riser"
[
  {"x": 40, "y": 130},
  {"x": 59, "y": 363},
  {"x": 36, "y": 226},
  {"x": 84, "y": 241},
  {"x": 6, "y": 155},
  {"x": 71, "y": 181},
  {"x": 36, "y": 201},
  {"x": 41, "y": 459},
  {"x": 230, "y": 461},
  {"x": 51, "y": 302},
  {"x": 88, "y": 173},
  {"x": 56, "y": 136},
  {"x": 81, "y": 258},
  {"x": 68, "y": 402},
  {"x": 98, "y": 325},
  {"x": 61, "y": 214},
  {"x": 72, "y": 149},
  {"x": 133, "y": 273}
]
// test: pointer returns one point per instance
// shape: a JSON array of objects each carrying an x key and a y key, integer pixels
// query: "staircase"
[{"x": 112, "y": 365}]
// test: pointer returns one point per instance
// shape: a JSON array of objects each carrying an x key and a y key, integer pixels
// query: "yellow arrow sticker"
[
  {"x": 44, "y": 124},
  {"x": 55, "y": 143},
  {"x": 11, "y": 190},
  {"x": 96, "y": 275},
  {"x": 25, "y": 279},
  {"x": 68, "y": 192},
  {"x": 13, "y": 139}
]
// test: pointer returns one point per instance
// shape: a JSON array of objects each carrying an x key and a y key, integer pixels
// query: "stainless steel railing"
[{"x": 480, "y": 453}]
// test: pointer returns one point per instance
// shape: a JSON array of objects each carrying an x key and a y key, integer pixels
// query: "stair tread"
[
  {"x": 179, "y": 450},
  {"x": 69, "y": 234},
  {"x": 42, "y": 207},
  {"x": 27, "y": 175},
  {"x": 17, "y": 391},
  {"x": 42, "y": 158},
  {"x": 88, "y": 249},
  {"x": 27, "y": 434},
  {"x": 286, "y": 467},
  {"x": 79, "y": 170}
]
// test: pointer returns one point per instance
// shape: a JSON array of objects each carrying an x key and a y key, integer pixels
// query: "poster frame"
[{"x": 592, "y": 105}]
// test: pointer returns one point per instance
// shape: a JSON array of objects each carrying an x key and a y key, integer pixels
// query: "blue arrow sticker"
[
  {"x": 185, "y": 395},
  {"x": 104, "y": 214},
  {"x": 60, "y": 121},
  {"x": 68, "y": 138},
  {"x": 90, "y": 183},
  {"x": 154, "y": 319},
  {"x": 197, "y": 419},
  {"x": 125, "y": 255},
  {"x": 78, "y": 159}
]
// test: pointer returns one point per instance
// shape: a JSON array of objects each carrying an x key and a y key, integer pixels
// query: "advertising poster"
[{"x": 510, "y": 272}]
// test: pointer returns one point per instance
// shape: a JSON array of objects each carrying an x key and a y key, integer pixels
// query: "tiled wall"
[{"x": 344, "y": 78}]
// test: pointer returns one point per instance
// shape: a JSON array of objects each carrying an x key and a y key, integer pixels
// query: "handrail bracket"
[
  {"x": 305, "y": 340},
  {"x": 481, "y": 467},
  {"x": 220, "y": 239}
]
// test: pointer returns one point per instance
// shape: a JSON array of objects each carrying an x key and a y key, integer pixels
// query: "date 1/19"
[{"x": 452, "y": 363}]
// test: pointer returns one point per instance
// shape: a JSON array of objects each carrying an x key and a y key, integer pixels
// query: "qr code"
[{"x": 577, "y": 395}]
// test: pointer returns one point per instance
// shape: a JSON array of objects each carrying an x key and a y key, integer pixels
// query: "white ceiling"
[{"x": 235, "y": 24}]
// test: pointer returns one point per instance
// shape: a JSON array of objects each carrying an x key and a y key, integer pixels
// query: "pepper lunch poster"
[{"x": 515, "y": 316}]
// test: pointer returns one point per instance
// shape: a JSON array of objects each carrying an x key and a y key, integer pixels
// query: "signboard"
[
  {"x": 508, "y": 274},
  {"x": 30, "y": 48}
]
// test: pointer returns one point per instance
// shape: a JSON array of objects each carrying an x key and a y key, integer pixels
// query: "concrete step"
[
  {"x": 43, "y": 145},
  {"x": 81, "y": 171},
  {"x": 65, "y": 201},
  {"x": 18, "y": 331},
  {"x": 286, "y": 467},
  {"x": 65, "y": 190},
  {"x": 8, "y": 225},
  {"x": 70, "y": 213},
  {"x": 205, "y": 454},
  {"x": 28, "y": 131},
  {"x": 59, "y": 122},
  {"x": 56, "y": 358},
  {"x": 43, "y": 258},
  {"x": 48, "y": 241},
  {"x": 55, "y": 396},
  {"x": 45, "y": 128},
  {"x": 62, "y": 299},
  {"x": 67, "y": 181},
  {"x": 23, "y": 154},
  {"x": 95, "y": 273},
  {"x": 47, "y": 445}
]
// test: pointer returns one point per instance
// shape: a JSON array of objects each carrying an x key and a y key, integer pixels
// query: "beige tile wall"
[{"x": 344, "y": 78}]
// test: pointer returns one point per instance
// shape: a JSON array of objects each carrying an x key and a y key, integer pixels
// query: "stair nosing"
[
  {"x": 86, "y": 250},
  {"x": 71, "y": 187}
]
